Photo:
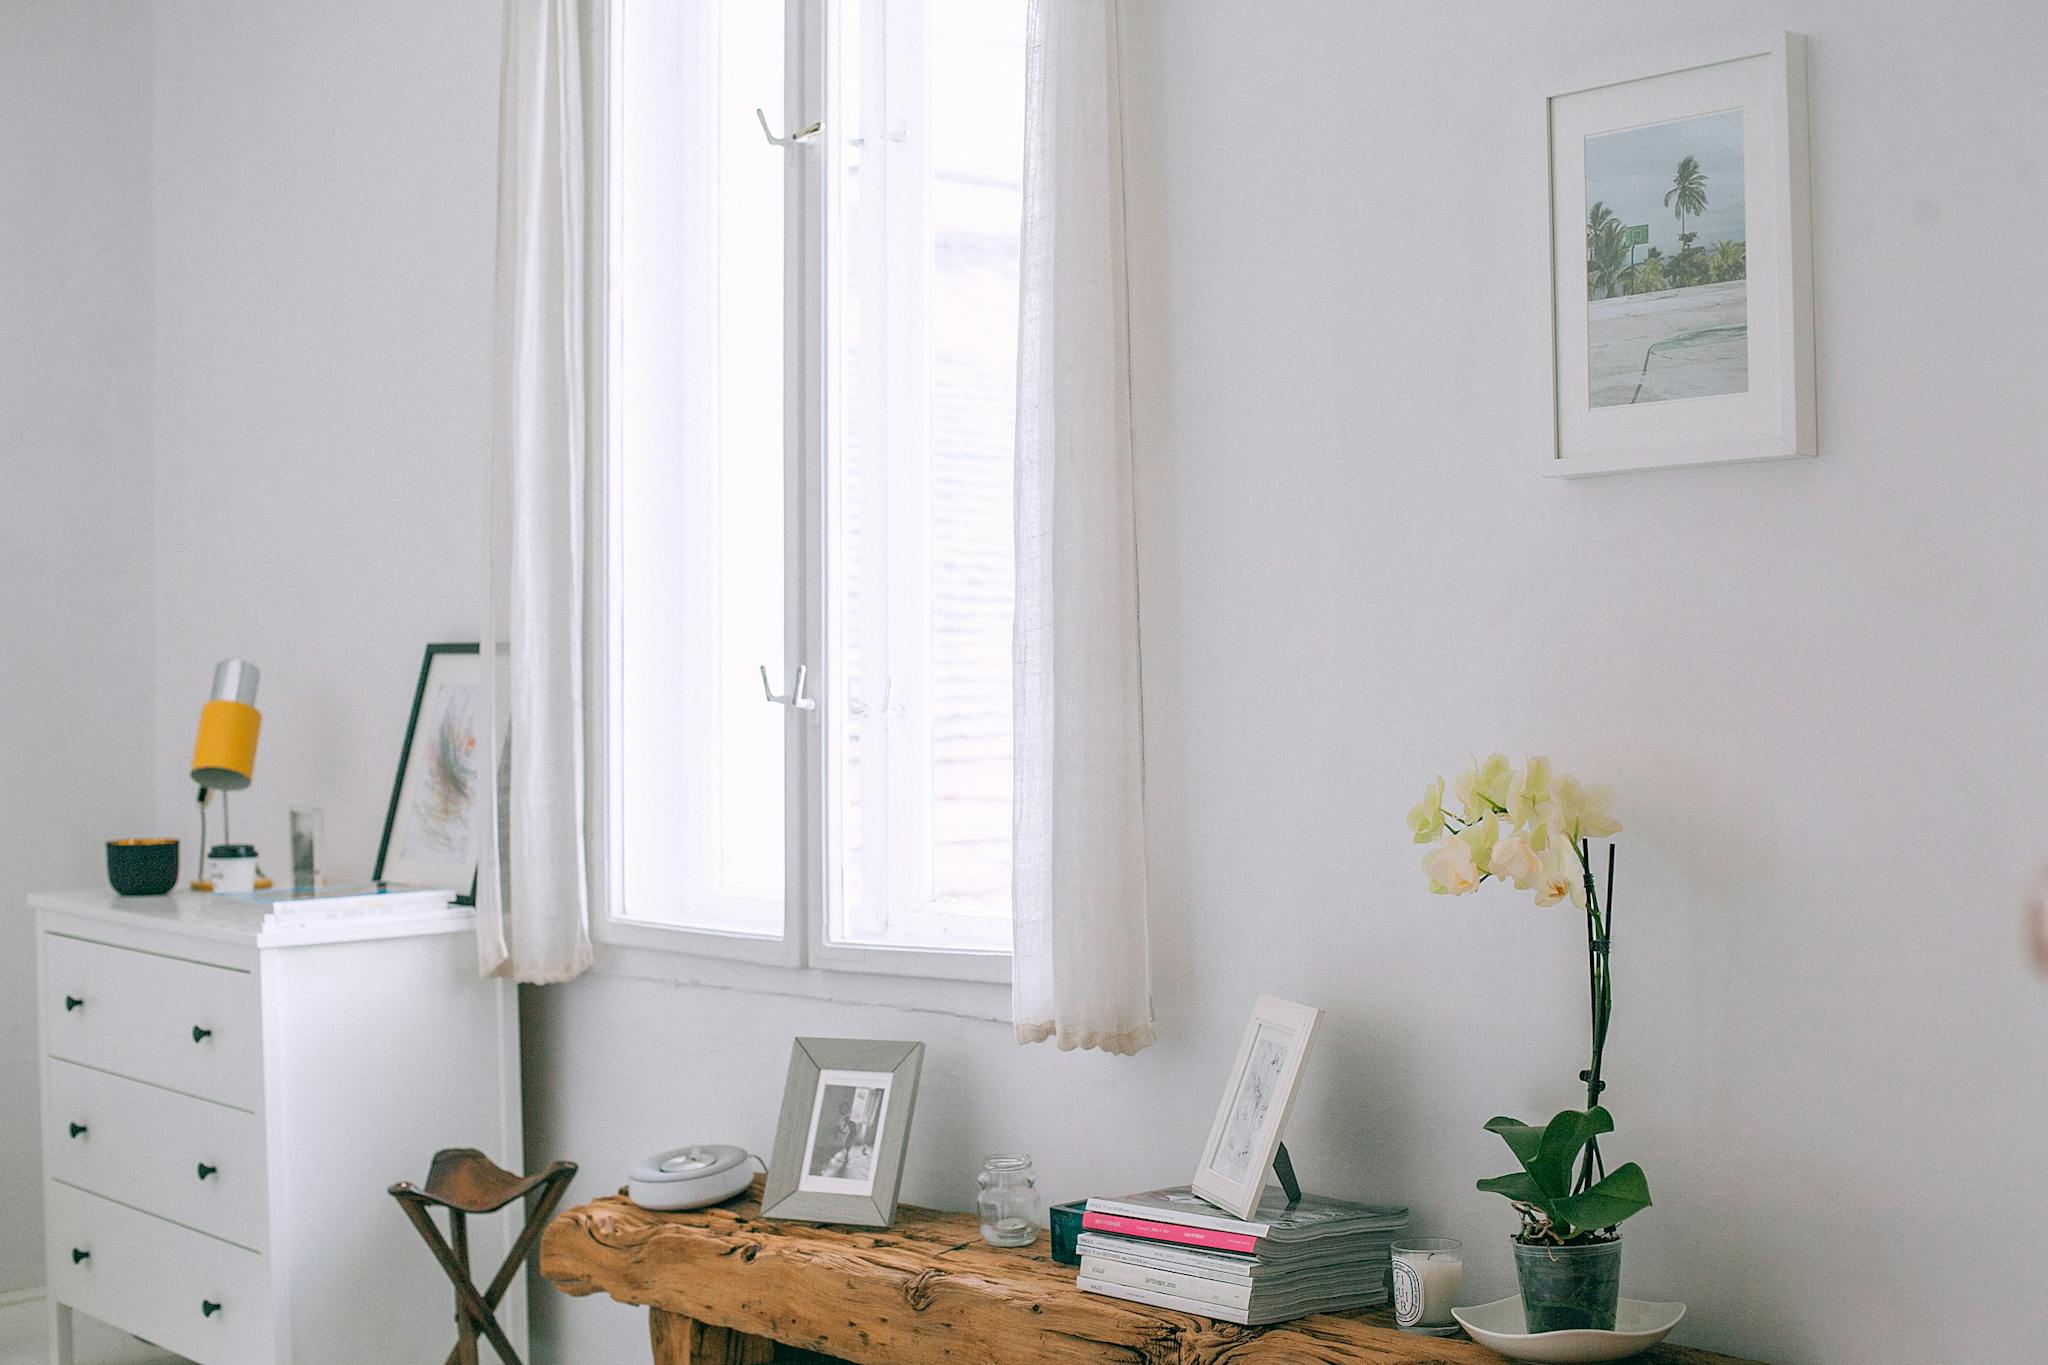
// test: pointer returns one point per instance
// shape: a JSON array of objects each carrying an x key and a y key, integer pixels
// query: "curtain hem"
[
  {"x": 554, "y": 976},
  {"x": 1122, "y": 1044}
]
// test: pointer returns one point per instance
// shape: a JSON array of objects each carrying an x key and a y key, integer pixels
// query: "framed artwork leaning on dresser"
[{"x": 431, "y": 831}]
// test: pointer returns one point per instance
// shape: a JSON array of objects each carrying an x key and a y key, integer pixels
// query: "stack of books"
[{"x": 1171, "y": 1249}]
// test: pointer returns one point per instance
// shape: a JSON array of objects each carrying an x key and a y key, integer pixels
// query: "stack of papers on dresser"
[
  {"x": 1172, "y": 1249},
  {"x": 348, "y": 902}
]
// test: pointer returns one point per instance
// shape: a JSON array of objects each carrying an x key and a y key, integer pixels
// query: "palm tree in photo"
[
  {"x": 1608, "y": 263},
  {"x": 1649, "y": 273},
  {"x": 1689, "y": 267},
  {"x": 1597, "y": 217},
  {"x": 1730, "y": 260},
  {"x": 1688, "y": 193}
]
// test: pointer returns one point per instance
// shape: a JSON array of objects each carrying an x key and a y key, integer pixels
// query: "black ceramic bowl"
[{"x": 142, "y": 867}]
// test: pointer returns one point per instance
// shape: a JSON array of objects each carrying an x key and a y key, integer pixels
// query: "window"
[{"x": 811, "y": 386}]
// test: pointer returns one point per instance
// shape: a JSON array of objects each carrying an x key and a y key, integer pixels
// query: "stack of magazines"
[{"x": 1172, "y": 1249}]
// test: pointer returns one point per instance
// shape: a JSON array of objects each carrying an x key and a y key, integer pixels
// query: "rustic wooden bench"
[{"x": 728, "y": 1287}]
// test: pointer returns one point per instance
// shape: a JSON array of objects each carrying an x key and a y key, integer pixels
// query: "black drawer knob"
[
  {"x": 200, "y": 1035},
  {"x": 77, "y": 1255},
  {"x": 207, "y": 1308},
  {"x": 206, "y": 1170},
  {"x": 77, "y": 1130},
  {"x": 72, "y": 1002}
]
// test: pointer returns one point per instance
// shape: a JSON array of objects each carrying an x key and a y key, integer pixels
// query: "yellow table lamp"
[{"x": 224, "y": 755}]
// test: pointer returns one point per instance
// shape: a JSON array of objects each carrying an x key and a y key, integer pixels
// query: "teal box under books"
[{"x": 1066, "y": 1231}]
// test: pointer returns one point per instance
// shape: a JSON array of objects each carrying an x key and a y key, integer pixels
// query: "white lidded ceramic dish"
[{"x": 1500, "y": 1326}]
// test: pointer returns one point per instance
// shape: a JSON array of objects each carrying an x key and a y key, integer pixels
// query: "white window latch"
[
  {"x": 793, "y": 139},
  {"x": 795, "y": 696}
]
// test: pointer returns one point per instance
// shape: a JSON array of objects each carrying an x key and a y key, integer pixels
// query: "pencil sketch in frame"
[
  {"x": 1242, "y": 1140},
  {"x": 1681, "y": 267},
  {"x": 433, "y": 830},
  {"x": 845, "y": 1122}
]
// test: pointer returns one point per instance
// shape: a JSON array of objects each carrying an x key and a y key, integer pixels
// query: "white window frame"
[{"x": 803, "y": 944}]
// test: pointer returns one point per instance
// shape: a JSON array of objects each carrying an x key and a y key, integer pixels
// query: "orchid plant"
[{"x": 1533, "y": 827}]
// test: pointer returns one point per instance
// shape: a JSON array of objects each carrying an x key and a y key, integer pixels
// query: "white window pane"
[
  {"x": 923, "y": 185},
  {"x": 699, "y": 211},
  {"x": 977, "y": 122}
]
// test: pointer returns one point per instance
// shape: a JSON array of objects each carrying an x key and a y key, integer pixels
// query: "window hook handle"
[
  {"x": 795, "y": 696},
  {"x": 793, "y": 139}
]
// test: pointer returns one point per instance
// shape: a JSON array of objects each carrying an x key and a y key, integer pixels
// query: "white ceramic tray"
[{"x": 1500, "y": 1326}]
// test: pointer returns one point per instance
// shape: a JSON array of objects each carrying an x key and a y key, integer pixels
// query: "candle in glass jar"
[{"x": 1428, "y": 1273}]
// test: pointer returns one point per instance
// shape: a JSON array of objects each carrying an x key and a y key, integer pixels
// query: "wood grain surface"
[{"x": 926, "y": 1289}]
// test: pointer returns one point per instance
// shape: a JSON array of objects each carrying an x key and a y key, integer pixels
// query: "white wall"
[
  {"x": 326, "y": 179},
  {"x": 75, "y": 615},
  {"x": 1816, "y": 685}
]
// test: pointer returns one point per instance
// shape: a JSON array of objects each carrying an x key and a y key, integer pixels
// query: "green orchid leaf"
[
  {"x": 1520, "y": 1187},
  {"x": 1624, "y": 1192},
  {"x": 1522, "y": 1139},
  {"x": 1517, "y": 1186},
  {"x": 1564, "y": 1138}
]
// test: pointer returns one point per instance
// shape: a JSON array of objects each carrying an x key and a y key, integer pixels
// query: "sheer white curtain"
[
  {"x": 1082, "y": 970},
  {"x": 532, "y": 917}
]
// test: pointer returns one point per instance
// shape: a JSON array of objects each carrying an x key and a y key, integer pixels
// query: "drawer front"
[
  {"x": 155, "y": 1279},
  {"x": 191, "y": 1161},
  {"x": 184, "y": 1025}
]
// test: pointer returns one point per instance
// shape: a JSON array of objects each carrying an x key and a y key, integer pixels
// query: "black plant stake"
[{"x": 1600, "y": 983}]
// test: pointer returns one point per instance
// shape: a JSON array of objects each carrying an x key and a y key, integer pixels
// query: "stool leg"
[
  {"x": 548, "y": 1197},
  {"x": 543, "y": 1209},
  {"x": 470, "y": 1314},
  {"x": 465, "y": 1341}
]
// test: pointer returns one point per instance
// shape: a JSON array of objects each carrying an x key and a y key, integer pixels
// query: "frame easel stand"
[{"x": 1283, "y": 1166}]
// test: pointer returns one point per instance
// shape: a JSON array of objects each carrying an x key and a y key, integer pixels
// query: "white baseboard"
[{"x": 20, "y": 1296}]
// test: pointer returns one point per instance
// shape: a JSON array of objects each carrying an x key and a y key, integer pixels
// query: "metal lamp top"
[{"x": 235, "y": 680}]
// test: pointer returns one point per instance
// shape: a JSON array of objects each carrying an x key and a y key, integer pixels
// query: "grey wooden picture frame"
[{"x": 809, "y": 1058}]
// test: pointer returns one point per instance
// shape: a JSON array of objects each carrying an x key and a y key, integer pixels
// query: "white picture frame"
[
  {"x": 1727, "y": 374},
  {"x": 1256, "y": 1101}
]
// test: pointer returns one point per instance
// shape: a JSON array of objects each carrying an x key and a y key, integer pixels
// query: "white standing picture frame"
[
  {"x": 1256, "y": 1101},
  {"x": 1760, "y": 403}
]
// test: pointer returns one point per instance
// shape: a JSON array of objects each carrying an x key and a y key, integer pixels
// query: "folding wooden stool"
[{"x": 464, "y": 1181}]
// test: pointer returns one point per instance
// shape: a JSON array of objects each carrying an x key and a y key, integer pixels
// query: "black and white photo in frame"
[{"x": 846, "y": 1117}]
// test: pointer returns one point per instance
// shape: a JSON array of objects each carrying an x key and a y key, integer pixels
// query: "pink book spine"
[{"x": 1169, "y": 1232}]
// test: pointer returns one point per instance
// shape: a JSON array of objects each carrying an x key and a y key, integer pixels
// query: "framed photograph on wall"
[
  {"x": 845, "y": 1122},
  {"x": 1681, "y": 267},
  {"x": 431, "y": 832},
  {"x": 1260, "y": 1091}
]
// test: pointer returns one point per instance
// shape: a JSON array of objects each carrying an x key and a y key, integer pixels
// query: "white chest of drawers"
[{"x": 227, "y": 1094}]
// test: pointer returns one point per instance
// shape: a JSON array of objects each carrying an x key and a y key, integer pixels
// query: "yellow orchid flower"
[
  {"x": 1426, "y": 817},
  {"x": 1452, "y": 869},
  {"x": 1482, "y": 789},
  {"x": 1560, "y": 878},
  {"x": 1584, "y": 811}
]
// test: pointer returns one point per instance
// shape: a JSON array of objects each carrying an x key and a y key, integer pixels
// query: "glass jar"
[{"x": 1008, "y": 1203}]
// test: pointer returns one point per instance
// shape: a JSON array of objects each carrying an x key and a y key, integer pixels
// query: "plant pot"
[{"x": 1569, "y": 1287}]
